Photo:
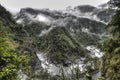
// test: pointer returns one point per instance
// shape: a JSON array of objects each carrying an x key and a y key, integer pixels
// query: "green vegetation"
[
  {"x": 91, "y": 36},
  {"x": 60, "y": 46},
  {"x": 88, "y": 39},
  {"x": 34, "y": 29},
  {"x": 11, "y": 58},
  {"x": 111, "y": 47},
  {"x": 17, "y": 41},
  {"x": 10, "y": 62}
]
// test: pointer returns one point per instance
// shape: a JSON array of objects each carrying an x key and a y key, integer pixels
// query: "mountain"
[
  {"x": 39, "y": 20},
  {"x": 65, "y": 37},
  {"x": 16, "y": 47},
  {"x": 60, "y": 46},
  {"x": 11, "y": 60},
  {"x": 59, "y": 40},
  {"x": 85, "y": 11}
]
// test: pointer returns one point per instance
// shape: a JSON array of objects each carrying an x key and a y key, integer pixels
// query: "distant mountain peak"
[{"x": 85, "y": 8}]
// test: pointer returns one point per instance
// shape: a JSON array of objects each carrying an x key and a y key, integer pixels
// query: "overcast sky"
[{"x": 52, "y": 4}]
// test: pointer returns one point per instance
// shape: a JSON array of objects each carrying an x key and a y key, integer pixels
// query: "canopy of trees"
[{"x": 111, "y": 47}]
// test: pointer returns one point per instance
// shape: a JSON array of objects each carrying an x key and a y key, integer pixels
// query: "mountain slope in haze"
[
  {"x": 53, "y": 38},
  {"x": 85, "y": 11},
  {"x": 59, "y": 33},
  {"x": 42, "y": 20},
  {"x": 60, "y": 46}
]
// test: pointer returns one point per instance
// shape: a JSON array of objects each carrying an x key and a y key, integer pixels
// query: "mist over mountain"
[
  {"x": 64, "y": 36},
  {"x": 60, "y": 40}
]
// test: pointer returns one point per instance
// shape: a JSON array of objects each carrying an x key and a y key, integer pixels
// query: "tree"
[
  {"x": 111, "y": 47},
  {"x": 10, "y": 62},
  {"x": 88, "y": 77}
]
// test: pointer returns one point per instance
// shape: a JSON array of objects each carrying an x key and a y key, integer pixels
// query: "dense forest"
[
  {"x": 19, "y": 45},
  {"x": 111, "y": 46}
]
